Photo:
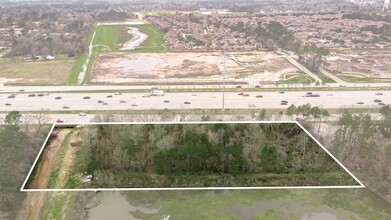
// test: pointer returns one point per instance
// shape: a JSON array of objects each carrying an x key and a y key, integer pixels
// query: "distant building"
[{"x": 386, "y": 6}]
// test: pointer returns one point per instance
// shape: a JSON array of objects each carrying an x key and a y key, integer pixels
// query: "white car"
[
  {"x": 82, "y": 114},
  {"x": 252, "y": 105}
]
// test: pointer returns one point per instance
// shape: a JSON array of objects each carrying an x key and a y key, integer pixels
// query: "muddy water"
[
  {"x": 288, "y": 208},
  {"x": 113, "y": 205},
  {"x": 138, "y": 64}
]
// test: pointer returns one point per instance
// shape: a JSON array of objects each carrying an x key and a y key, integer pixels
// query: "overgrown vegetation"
[
  {"x": 19, "y": 145},
  {"x": 170, "y": 155}
]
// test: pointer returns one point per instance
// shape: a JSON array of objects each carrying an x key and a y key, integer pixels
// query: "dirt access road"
[{"x": 35, "y": 200}]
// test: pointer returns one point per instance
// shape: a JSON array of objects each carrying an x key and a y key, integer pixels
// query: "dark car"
[
  {"x": 86, "y": 97},
  {"x": 187, "y": 103},
  {"x": 281, "y": 92},
  {"x": 100, "y": 101},
  {"x": 166, "y": 101},
  {"x": 59, "y": 121},
  {"x": 31, "y": 95},
  {"x": 109, "y": 96},
  {"x": 58, "y": 97},
  {"x": 360, "y": 103},
  {"x": 381, "y": 104},
  {"x": 11, "y": 96},
  {"x": 65, "y": 107},
  {"x": 259, "y": 96},
  {"x": 377, "y": 100},
  {"x": 8, "y": 104},
  {"x": 40, "y": 95},
  {"x": 238, "y": 87}
]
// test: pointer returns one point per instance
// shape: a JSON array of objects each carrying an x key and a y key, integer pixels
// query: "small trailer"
[{"x": 157, "y": 93}]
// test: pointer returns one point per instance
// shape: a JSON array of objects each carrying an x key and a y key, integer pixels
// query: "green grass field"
[
  {"x": 51, "y": 72},
  {"x": 300, "y": 79},
  {"x": 113, "y": 36},
  {"x": 76, "y": 70}
]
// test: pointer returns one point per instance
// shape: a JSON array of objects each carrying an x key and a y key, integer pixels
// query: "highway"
[{"x": 204, "y": 100}]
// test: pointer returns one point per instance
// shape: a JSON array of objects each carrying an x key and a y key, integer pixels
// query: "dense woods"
[
  {"x": 19, "y": 147},
  {"x": 159, "y": 153}
]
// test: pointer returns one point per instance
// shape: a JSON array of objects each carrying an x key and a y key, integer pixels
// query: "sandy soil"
[
  {"x": 129, "y": 68},
  {"x": 137, "y": 39},
  {"x": 371, "y": 63}
]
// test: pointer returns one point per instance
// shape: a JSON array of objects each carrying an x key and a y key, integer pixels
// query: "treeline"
[
  {"x": 384, "y": 30},
  {"x": 113, "y": 15},
  {"x": 370, "y": 17},
  {"x": 112, "y": 151},
  {"x": 19, "y": 147}
]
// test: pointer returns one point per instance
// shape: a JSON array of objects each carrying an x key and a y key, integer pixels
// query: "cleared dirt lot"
[
  {"x": 130, "y": 68},
  {"x": 370, "y": 63}
]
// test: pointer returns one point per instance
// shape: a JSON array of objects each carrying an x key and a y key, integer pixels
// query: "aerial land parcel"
[
  {"x": 52, "y": 72},
  {"x": 185, "y": 155}
]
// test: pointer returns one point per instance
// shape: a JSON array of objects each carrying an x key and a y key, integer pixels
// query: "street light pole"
[{"x": 223, "y": 108}]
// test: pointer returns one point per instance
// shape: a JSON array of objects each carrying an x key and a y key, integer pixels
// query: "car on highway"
[
  {"x": 238, "y": 87},
  {"x": 257, "y": 87},
  {"x": 82, "y": 114},
  {"x": 105, "y": 103},
  {"x": 246, "y": 94},
  {"x": 134, "y": 105},
  {"x": 377, "y": 100},
  {"x": 381, "y": 104},
  {"x": 21, "y": 90},
  {"x": 59, "y": 121},
  {"x": 193, "y": 94},
  {"x": 109, "y": 96},
  {"x": 100, "y": 101},
  {"x": 122, "y": 101},
  {"x": 118, "y": 93},
  {"x": 283, "y": 102},
  {"x": 241, "y": 93},
  {"x": 166, "y": 101},
  {"x": 11, "y": 96},
  {"x": 86, "y": 97},
  {"x": 58, "y": 97},
  {"x": 40, "y": 95},
  {"x": 379, "y": 93},
  {"x": 330, "y": 94},
  {"x": 360, "y": 103},
  {"x": 281, "y": 92},
  {"x": 259, "y": 96},
  {"x": 31, "y": 95},
  {"x": 8, "y": 104},
  {"x": 187, "y": 103},
  {"x": 252, "y": 105},
  {"x": 65, "y": 107},
  {"x": 146, "y": 95}
]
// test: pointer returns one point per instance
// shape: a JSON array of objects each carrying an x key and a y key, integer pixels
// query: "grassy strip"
[
  {"x": 210, "y": 112},
  {"x": 58, "y": 163},
  {"x": 90, "y": 65},
  {"x": 354, "y": 79},
  {"x": 76, "y": 70},
  {"x": 139, "y": 180},
  {"x": 301, "y": 79}
]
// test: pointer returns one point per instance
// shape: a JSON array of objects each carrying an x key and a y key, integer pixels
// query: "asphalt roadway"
[{"x": 200, "y": 100}]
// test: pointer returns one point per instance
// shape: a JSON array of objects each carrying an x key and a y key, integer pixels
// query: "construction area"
[{"x": 245, "y": 68}]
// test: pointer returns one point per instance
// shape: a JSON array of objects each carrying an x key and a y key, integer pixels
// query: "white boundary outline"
[{"x": 22, "y": 189}]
